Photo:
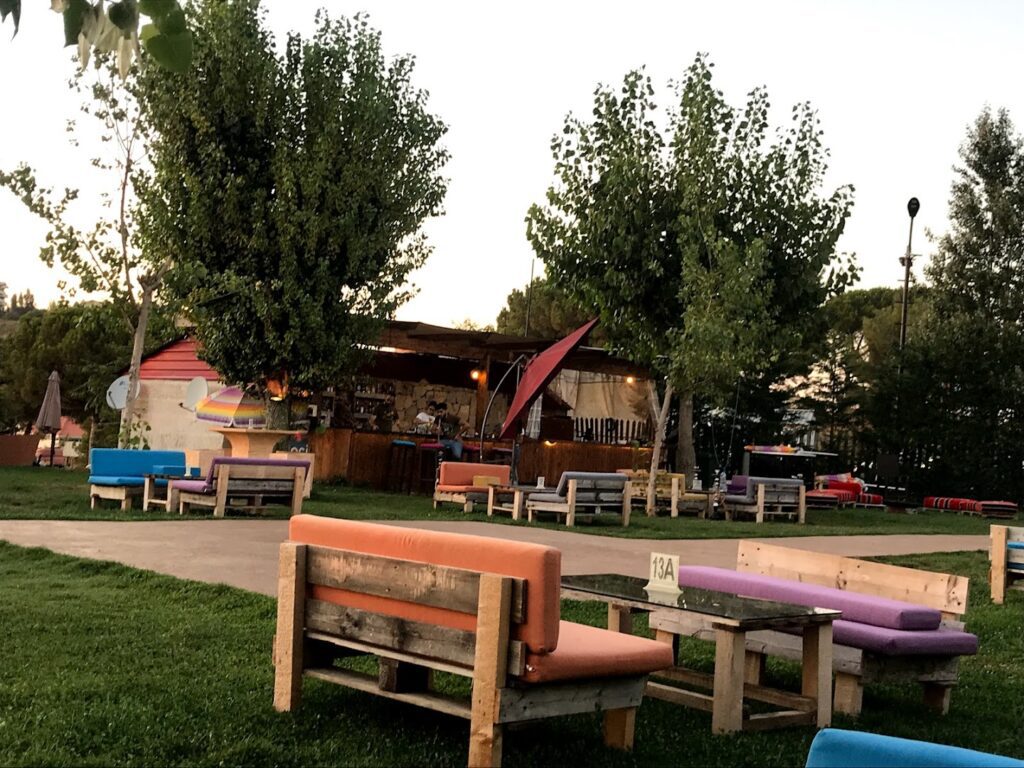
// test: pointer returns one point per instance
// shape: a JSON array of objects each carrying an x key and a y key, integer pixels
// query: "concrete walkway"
[{"x": 243, "y": 553}]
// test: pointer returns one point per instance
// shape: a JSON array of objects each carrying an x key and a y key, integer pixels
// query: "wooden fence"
[
  {"x": 591, "y": 430},
  {"x": 362, "y": 458}
]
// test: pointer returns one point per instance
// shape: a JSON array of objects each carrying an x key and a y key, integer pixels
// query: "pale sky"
[{"x": 896, "y": 84}]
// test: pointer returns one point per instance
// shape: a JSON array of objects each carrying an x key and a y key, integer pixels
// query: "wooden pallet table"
[{"x": 736, "y": 677}]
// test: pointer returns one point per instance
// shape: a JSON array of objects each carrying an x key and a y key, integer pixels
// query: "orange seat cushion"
[
  {"x": 462, "y": 472},
  {"x": 460, "y": 488},
  {"x": 539, "y": 565},
  {"x": 586, "y": 652}
]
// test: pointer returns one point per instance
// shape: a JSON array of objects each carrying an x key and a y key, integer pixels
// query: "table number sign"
[{"x": 664, "y": 573}]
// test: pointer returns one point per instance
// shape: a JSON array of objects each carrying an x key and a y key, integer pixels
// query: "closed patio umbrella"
[{"x": 48, "y": 419}]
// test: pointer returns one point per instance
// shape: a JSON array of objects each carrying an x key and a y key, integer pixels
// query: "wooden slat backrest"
[
  {"x": 419, "y": 583},
  {"x": 1015, "y": 534},
  {"x": 258, "y": 471},
  {"x": 941, "y": 591}
]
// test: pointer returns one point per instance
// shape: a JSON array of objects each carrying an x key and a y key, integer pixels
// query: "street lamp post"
[{"x": 907, "y": 261}]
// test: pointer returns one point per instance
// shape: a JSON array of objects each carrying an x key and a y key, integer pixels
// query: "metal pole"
[
  {"x": 529, "y": 299},
  {"x": 494, "y": 393},
  {"x": 908, "y": 262}
]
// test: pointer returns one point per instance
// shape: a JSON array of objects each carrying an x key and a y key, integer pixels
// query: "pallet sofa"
[
  {"x": 832, "y": 491},
  {"x": 584, "y": 495},
  {"x": 836, "y": 748},
  {"x": 461, "y": 482},
  {"x": 119, "y": 474},
  {"x": 482, "y": 608},
  {"x": 244, "y": 483},
  {"x": 669, "y": 491},
  {"x": 765, "y": 496},
  {"x": 1006, "y": 555},
  {"x": 897, "y": 624},
  {"x": 998, "y": 509}
]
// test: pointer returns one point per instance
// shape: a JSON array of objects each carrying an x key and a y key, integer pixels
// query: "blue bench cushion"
[
  {"x": 116, "y": 480},
  {"x": 1015, "y": 545},
  {"x": 835, "y": 748},
  {"x": 115, "y": 462}
]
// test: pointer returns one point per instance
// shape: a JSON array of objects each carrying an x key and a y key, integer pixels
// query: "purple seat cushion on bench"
[
  {"x": 856, "y": 607},
  {"x": 192, "y": 486},
  {"x": 896, "y": 642}
]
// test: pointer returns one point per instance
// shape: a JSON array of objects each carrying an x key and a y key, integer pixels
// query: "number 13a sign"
[{"x": 664, "y": 572}]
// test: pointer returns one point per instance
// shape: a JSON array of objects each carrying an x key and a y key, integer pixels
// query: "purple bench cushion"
[
  {"x": 192, "y": 486},
  {"x": 896, "y": 642},
  {"x": 856, "y": 607}
]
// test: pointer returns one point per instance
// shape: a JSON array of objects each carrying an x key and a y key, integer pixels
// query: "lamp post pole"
[{"x": 907, "y": 261}]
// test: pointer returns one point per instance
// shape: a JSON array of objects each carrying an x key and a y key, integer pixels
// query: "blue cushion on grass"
[{"x": 835, "y": 748}]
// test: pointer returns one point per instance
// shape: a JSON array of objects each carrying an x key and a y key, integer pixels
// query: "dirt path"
[{"x": 243, "y": 553}]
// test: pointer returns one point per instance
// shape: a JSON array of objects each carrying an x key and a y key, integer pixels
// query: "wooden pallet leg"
[
  {"x": 618, "y": 728},
  {"x": 490, "y": 667},
  {"x": 937, "y": 697},
  {"x": 998, "y": 535},
  {"x": 291, "y": 610},
  {"x": 753, "y": 668},
  {"x": 620, "y": 619},
  {"x": 403, "y": 677},
  {"x": 817, "y": 670},
  {"x": 669, "y": 638},
  {"x": 727, "y": 707},
  {"x": 126, "y": 502},
  {"x": 849, "y": 694},
  {"x": 93, "y": 501}
]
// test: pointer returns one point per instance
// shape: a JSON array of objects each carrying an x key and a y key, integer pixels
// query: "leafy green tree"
[
  {"x": 114, "y": 28},
  {"x": 955, "y": 409},
  {"x": 86, "y": 343},
  {"x": 707, "y": 252},
  {"x": 108, "y": 256},
  {"x": 552, "y": 315},
  {"x": 292, "y": 188}
]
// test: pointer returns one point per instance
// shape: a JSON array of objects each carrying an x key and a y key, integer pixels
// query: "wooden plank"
[
  {"x": 489, "y": 670},
  {"x": 727, "y": 715},
  {"x": 437, "y": 586},
  {"x": 769, "y": 720},
  {"x": 849, "y": 694},
  {"x": 680, "y": 696},
  {"x": 761, "y": 693},
  {"x": 941, "y": 591},
  {"x": 402, "y": 676},
  {"x": 997, "y": 569},
  {"x": 380, "y": 630},
  {"x": 534, "y": 702},
  {"x": 618, "y": 727},
  {"x": 368, "y": 684},
  {"x": 288, "y": 642},
  {"x": 360, "y": 647},
  {"x": 620, "y": 619}
]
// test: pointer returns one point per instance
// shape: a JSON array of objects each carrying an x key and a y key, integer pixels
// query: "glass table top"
[{"x": 719, "y": 604}]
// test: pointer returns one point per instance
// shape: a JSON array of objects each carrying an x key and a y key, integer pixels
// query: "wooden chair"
[
  {"x": 249, "y": 486},
  {"x": 768, "y": 497},
  {"x": 418, "y": 616},
  {"x": 584, "y": 494},
  {"x": 1006, "y": 555}
]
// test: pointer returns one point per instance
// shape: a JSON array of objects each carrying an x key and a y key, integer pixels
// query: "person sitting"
[
  {"x": 425, "y": 420},
  {"x": 449, "y": 431}
]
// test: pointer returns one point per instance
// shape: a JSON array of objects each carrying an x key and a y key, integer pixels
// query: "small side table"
[
  {"x": 498, "y": 501},
  {"x": 165, "y": 497}
]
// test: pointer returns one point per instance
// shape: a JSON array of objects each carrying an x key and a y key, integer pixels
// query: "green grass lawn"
[
  {"x": 40, "y": 493},
  {"x": 107, "y": 665}
]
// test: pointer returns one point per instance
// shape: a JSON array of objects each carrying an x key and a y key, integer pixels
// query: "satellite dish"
[
  {"x": 117, "y": 393},
  {"x": 196, "y": 391}
]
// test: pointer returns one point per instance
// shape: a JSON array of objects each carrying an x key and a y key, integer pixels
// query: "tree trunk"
[
  {"x": 138, "y": 343},
  {"x": 659, "y": 440},
  {"x": 686, "y": 455}
]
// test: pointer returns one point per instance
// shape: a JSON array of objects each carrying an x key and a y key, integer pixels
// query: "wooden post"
[
  {"x": 998, "y": 535},
  {"x": 298, "y": 489},
  {"x": 674, "y": 501},
  {"x": 482, "y": 395},
  {"x": 618, "y": 728},
  {"x": 669, "y": 638},
  {"x": 291, "y": 612},
  {"x": 802, "y": 509},
  {"x": 223, "y": 476},
  {"x": 627, "y": 503},
  {"x": 490, "y": 667},
  {"x": 849, "y": 694},
  {"x": 753, "y": 672},
  {"x": 570, "y": 501},
  {"x": 620, "y": 619},
  {"x": 937, "y": 697},
  {"x": 727, "y": 707},
  {"x": 817, "y": 670},
  {"x": 517, "y": 505},
  {"x": 760, "y": 503},
  {"x": 402, "y": 677},
  {"x": 148, "y": 491}
]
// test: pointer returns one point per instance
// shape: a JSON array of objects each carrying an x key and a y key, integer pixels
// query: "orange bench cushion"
[
  {"x": 462, "y": 472},
  {"x": 540, "y": 566},
  {"x": 460, "y": 488},
  {"x": 588, "y": 652}
]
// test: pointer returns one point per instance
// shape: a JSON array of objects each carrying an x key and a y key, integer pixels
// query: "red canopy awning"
[{"x": 542, "y": 368}]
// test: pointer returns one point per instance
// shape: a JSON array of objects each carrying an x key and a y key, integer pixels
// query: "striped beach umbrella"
[{"x": 231, "y": 406}]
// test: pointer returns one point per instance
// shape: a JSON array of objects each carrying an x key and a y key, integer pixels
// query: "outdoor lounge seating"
[
  {"x": 244, "y": 483},
  {"x": 765, "y": 496},
  {"x": 1006, "y": 554},
  {"x": 669, "y": 491},
  {"x": 584, "y": 494},
  {"x": 998, "y": 509},
  {"x": 897, "y": 623},
  {"x": 482, "y": 608},
  {"x": 835, "y": 748},
  {"x": 120, "y": 474},
  {"x": 456, "y": 485}
]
